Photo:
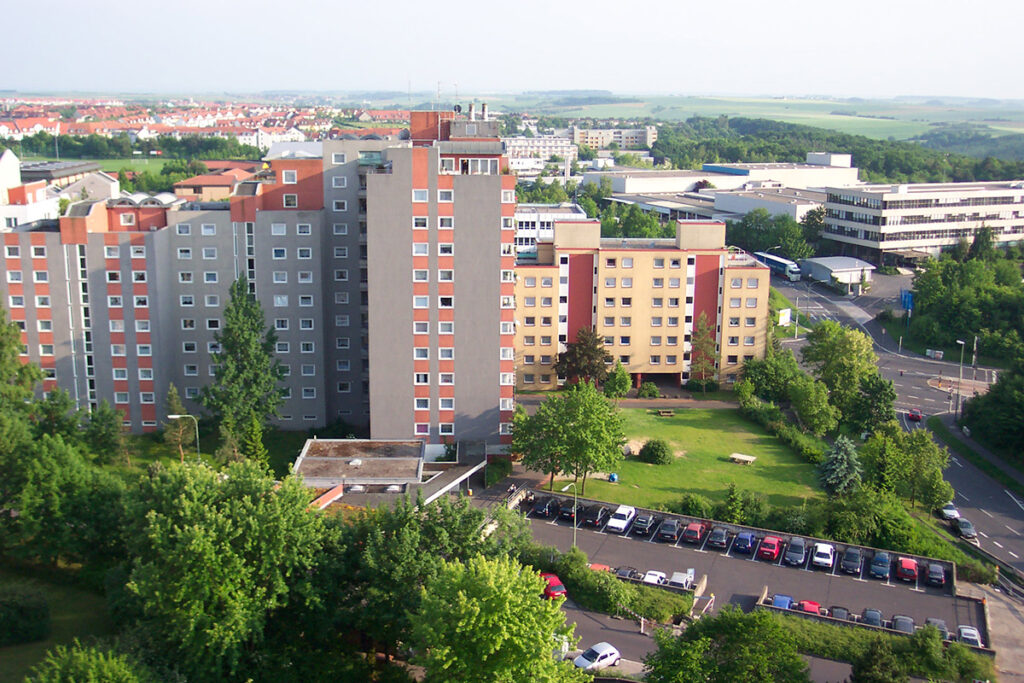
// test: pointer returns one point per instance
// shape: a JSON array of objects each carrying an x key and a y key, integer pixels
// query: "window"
[
  {"x": 185, "y": 277},
  {"x": 420, "y": 378},
  {"x": 421, "y": 353},
  {"x": 120, "y": 397},
  {"x": 279, "y": 253},
  {"x": 342, "y": 342},
  {"x": 338, "y": 158},
  {"x": 341, "y": 252},
  {"x": 752, "y": 302},
  {"x": 507, "y": 378},
  {"x": 341, "y": 321},
  {"x": 13, "y": 252},
  {"x": 627, "y": 301},
  {"x": 47, "y": 350},
  {"x": 419, "y": 195},
  {"x": 280, "y": 301},
  {"x": 43, "y": 301},
  {"x": 420, "y": 276},
  {"x": 530, "y": 321},
  {"x": 308, "y": 392},
  {"x": 211, "y": 299},
  {"x": 673, "y": 282},
  {"x": 752, "y": 282},
  {"x": 508, "y": 197},
  {"x": 447, "y": 403},
  {"x": 307, "y": 347},
  {"x": 122, "y": 373},
  {"x": 341, "y": 228},
  {"x": 191, "y": 370},
  {"x": 626, "y": 321},
  {"x": 421, "y": 403},
  {"x": 112, "y": 301},
  {"x": 282, "y": 347},
  {"x": 734, "y": 322},
  {"x": 420, "y": 249},
  {"x": 656, "y": 321},
  {"x": 673, "y": 321},
  {"x": 447, "y": 327},
  {"x": 304, "y": 252},
  {"x": 305, "y": 277},
  {"x": 138, "y": 276},
  {"x": 419, "y": 223},
  {"x": 420, "y": 301},
  {"x": 144, "y": 349},
  {"x": 627, "y": 262},
  {"x": 339, "y": 181},
  {"x": 736, "y": 282},
  {"x": 659, "y": 282},
  {"x": 306, "y": 300},
  {"x": 545, "y": 340},
  {"x": 446, "y": 429},
  {"x": 184, "y": 253},
  {"x": 507, "y": 327},
  {"x": 38, "y": 252},
  {"x": 341, "y": 297},
  {"x": 731, "y": 360},
  {"x": 280, "y": 323},
  {"x": 341, "y": 275},
  {"x": 609, "y": 263},
  {"x": 117, "y": 349},
  {"x": 213, "y": 323},
  {"x": 445, "y": 249},
  {"x": 673, "y": 302},
  {"x": 289, "y": 177},
  {"x": 445, "y": 195},
  {"x": 127, "y": 219},
  {"x": 111, "y": 252},
  {"x": 192, "y": 392},
  {"x": 446, "y": 378},
  {"x": 609, "y": 282},
  {"x": 659, "y": 263},
  {"x": 655, "y": 341},
  {"x": 529, "y": 341},
  {"x": 117, "y": 326},
  {"x": 113, "y": 276},
  {"x": 750, "y": 322},
  {"x": 291, "y": 201},
  {"x": 305, "y": 323},
  {"x": 674, "y": 263},
  {"x": 446, "y": 353},
  {"x": 530, "y": 282},
  {"x": 733, "y": 341},
  {"x": 342, "y": 366},
  {"x": 748, "y": 341},
  {"x": 624, "y": 341},
  {"x": 627, "y": 282},
  {"x": 446, "y": 276},
  {"x": 44, "y": 325},
  {"x": 655, "y": 360},
  {"x": 183, "y": 229},
  {"x": 278, "y": 229},
  {"x": 445, "y": 301},
  {"x": 546, "y": 282},
  {"x": 734, "y": 302},
  {"x": 14, "y": 276},
  {"x": 189, "y": 347},
  {"x": 340, "y": 205},
  {"x": 528, "y": 378},
  {"x": 445, "y": 222},
  {"x": 420, "y": 327},
  {"x": 212, "y": 347},
  {"x": 210, "y": 277},
  {"x": 280, "y": 277}
]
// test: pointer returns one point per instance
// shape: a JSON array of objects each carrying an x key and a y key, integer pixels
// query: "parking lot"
[{"x": 739, "y": 578}]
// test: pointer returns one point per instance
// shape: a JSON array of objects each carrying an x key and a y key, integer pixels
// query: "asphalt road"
[
  {"x": 739, "y": 579},
  {"x": 926, "y": 384}
]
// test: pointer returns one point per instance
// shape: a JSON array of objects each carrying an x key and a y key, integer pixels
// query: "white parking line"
[
  {"x": 1015, "y": 555},
  {"x": 997, "y": 544},
  {"x": 986, "y": 512},
  {"x": 1012, "y": 529},
  {"x": 983, "y": 534}
]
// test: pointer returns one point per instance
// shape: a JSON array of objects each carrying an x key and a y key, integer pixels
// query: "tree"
[
  {"x": 703, "y": 353},
  {"x": 583, "y": 359},
  {"x": 17, "y": 380},
  {"x": 177, "y": 433},
  {"x": 56, "y": 415},
  {"x": 873, "y": 404},
  {"x": 733, "y": 507},
  {"x": 214, "y": 554},
  {"x": 578, "y": 432},
  {"x": 731, "y": 646},
  {"x": 812, "y": 224},
  {"x": 879, "y": 664},
  {"x": 618, "y": 382},
  {"x": 245, "y": 381},
  {"x": 772, "y": 376},
  {"x": 657, "y": 452},
  {"x": 809, "y": 399},
  {"x": 840, "y": 473},
  {"x": 88, "y": 663},
  {"x": 480, "y": 621},
  {"x": 841, "y": 358},
  {"x": 909, "y": 464},
  {"x": 982, "y": 247},
  {"x": 104, "y": 431},
  {"x": 252, "y": 443}
]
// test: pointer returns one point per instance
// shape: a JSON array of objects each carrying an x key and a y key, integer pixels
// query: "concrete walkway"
[
  {"x": 1006, "y": 628},
  {"x": 1007, "y": 468}
]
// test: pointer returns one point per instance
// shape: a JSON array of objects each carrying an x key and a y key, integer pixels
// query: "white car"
[
  {"x": 656, "y": 578},
  {"x": 949, "y": 512},
  {"x": 968, "y": 635},
  {"x": 600, "y": 656},
  {"x": 621, "y": 519},
  {"x": 824, "y": 555}
]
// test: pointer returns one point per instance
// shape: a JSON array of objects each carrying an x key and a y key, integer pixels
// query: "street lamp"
[
  {"x": 575, "y": 508},
  {"x": 956, "y": 413},
  {"x": 193, "y": 417}
]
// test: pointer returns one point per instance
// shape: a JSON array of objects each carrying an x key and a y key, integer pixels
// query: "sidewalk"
[
  {"x": 1008, "y": 469},
  {"x": 1006, "y": 629}
]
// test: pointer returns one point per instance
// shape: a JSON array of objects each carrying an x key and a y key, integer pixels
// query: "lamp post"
[
  {"x": 962, "y": 343},
  {"x": 193, "y": 417},
  {"x": 575, "y": 508}
]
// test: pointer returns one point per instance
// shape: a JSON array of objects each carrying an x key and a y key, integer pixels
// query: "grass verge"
[
  {"x": 776, "y": 302},
  {"x": 897, "y": 327},
  {"x": 960, "y": 448}
]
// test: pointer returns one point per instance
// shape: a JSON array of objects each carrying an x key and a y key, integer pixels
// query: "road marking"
[
  {"x": 913, "y": 397},
  {"x": 956, "y": 462},
  {"x": 897, "y": 384},
  {"x": 1012, "y": 529},
  {"x": 983, "y": 534},
  {"x": 986, "y": 512},
  {"x": 997, "y": 544},
  {"x": 1014, "y": 499},
  {"x": 963, "y": 496},
  {"x": 1015, "y": 555}
]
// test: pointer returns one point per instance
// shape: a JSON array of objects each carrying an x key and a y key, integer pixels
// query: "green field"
[
  {"x": 75, "y": 613},
  {"x": 708, "y": 437},
  {"x": 114, "y": 165}
]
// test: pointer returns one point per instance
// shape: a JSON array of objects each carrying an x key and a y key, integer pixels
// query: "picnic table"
[
  {"x": 666, "y": 413},
  {"x": 741, "y": 459}
]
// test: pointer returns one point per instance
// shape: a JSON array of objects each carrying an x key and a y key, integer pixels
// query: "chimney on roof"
[
  {"x": 472, "y": 111},
  {"x": 483, "y": 111}
]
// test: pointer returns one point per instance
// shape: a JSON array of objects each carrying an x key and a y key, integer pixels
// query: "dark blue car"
[{"x": 744, "y": 543}]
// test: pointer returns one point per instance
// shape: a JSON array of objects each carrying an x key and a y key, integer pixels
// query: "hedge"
[
  {"x": 771, "y": 417},
  {"x": 497, "y": 469},
  {"x": 24, "y": 614}
]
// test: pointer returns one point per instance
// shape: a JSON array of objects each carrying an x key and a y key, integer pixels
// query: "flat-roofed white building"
[
  {"x": 890, "y": 223},
  {"x": 540, "y": 147},
  {"x": 537, "y": 222}
]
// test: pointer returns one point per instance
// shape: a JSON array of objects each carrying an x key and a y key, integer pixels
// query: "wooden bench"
[
  {"x": 666, "y": 413},
  {"x": 741, "y": 459}
]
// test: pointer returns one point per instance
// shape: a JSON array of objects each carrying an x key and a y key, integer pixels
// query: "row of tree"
[
  {"x": 121, "y": 147},
  {"x": 758, "y": 230}
]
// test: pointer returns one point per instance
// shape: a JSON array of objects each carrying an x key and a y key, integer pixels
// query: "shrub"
[
  {"x": 648, "y": 390},
  {"x": 701, "y": 386},
  {"x": 497, "y": 469},
  {"x": 81, "y": 663},
  {"x": 24, "y": 614},
  {"x": 693, "y": 505},
  {"x": 659, "y": 604},
  {"x": 656, "y": 452}
]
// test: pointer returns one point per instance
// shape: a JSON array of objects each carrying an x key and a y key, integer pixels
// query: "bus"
[{"x": 780, "y": 265}]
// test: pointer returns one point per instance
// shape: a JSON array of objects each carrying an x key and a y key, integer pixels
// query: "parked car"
[
  {"x": 824, "y": 555},
  {"x": 595, "y": 515},
  {"x": 902, "y": 623},
  {"x": 645, "y": 524},
  {"x": 940, "y": 625},
  {"x": 949, "y": 512},
  {"x": 681, "y": 580},
  {"x": 872, "y": 617},
  {"x": 553, "y": 587},
  {"x": 600, "y": 656},
  {"x": 881, "y": 565},
  {"x": 628, "y": 573},
  {"x": 809, "y": 606},
  {"x": 915, "y": 415},
  {"x": 906, "y": 569},
  {"x": 796, "y": 552},
  {"x": 744, "y": 543},
  {"x": 656, "y": 578},
  {"x": 782, "y": 601},
  {"x": 569, "y": 510},
  {"x": 695, "y": 532},
  {"x": 837, "y": 612},
  {"x": 968, "y": 635},
  {"x": 770, "y": 548},
  {"x": 853, "y": 560},
  {"x": 669, "y": 531},
  {"x": 718, "y": 538},
  {"x": 936, "y": 575},
  {"x": 621, "y": 518},
  {"x": 545, "y": 507},
  {"x": 965, "y": 528},
  {"x": 599, "y": 567}
]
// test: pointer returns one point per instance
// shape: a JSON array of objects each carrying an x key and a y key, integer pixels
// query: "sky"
[{"x": 868, "y": 48}]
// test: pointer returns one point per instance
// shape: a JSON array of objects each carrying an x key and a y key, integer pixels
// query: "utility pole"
[
  {"x": 974, "y": 362},
  {"x": 960, "y": 379}
]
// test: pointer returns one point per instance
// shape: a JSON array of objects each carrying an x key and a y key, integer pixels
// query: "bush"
[
  {"x": 693, "y": 505},
  {"x": 24, "y": 614},
  {"x": 657, "y": 452},
  {"x": 648, "y": 390},
  {"x": 497, "y": 469},
  {"x": 81, "y": 663},
  {"x": 699, "y": 386}
]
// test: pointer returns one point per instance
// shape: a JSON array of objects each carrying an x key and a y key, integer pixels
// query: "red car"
[
  {"x": 906, "y": 569},
  {"x": 554, "y": 587},
  {"x": 914, "y": 415},
  {"x": 770, "y": 548},
  {"x": 809, "y": 606},
  {"x": 694, "y": 532}
]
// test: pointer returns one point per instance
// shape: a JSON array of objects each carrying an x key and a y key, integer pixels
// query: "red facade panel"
[{"x": 581, "y": 294}]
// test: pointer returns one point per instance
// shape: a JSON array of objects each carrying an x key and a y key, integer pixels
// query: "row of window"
[
  {"x": 545, "y": 301},
  {"x": 185, "y": 229},
  {"x": 659, "y": 262},
  {"x": 655, "y": 340},
  {"x": 209, "y": 253},
  {"x": 115, "y": 251},
  {"x": 443, "y": 327},
  {"x": 15, "y": 252},
  {"x": 140, "y": 326},
  {"x": 736, "y": 302},
  {"x": 37, "y": 276},
  {"x": 304, "y": 347},
  {"x": 210, "y": 277},
  {"x": 208, "y": 300},
  {"x": 443, "y": 428},
  {"x": 658, "y": 282},
  {"x": 752, "y": 282},
  {"x": 544, "y": 281},
  {"x": 18, "y": 301},
  {"x": 140, "y": 349},
  {"x": 748, "y": 322},
  {"x": 424, "y": 403},
  {"x": 442, "y": 302},
  {"x": 531, "y": 360},
  {"x": 120, "y": 374},
  {"x": 282, "y": 324},
  {"x": 115, "y": 276},
  {"x": 423, "y": 353},
  {"x": 443, "y": 249},
  {"x": 656, "y": 321},
  {"x": 735, "y": 341}
]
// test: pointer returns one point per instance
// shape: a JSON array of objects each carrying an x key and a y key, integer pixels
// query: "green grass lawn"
[
  {"x": 897, "y": 328},
  {"x": 75, "y": 613},
  {"x": 138, "y": 164},
  {"x": 708, "y": 437}
]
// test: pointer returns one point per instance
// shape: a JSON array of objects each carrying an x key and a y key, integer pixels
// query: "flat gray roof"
[
  {"x": 838, "y": 263},
  {"x": 51, "y": 170}
]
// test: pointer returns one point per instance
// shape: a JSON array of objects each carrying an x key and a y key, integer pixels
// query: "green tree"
[
  {"x": 104, "y": 432},
  {"x": 809, "y": 399},
  {"x": 245, "y": 381},
  {"x": 252, "y": 443},
  {"x": 879, "y": 664},
  {"x": 909, "y": 464},
  {"x": 17, "y": 380},
  {"x": 703, "y": 354},
  {"x": 873, "y": 404},
  {"x": 733, "y": 507},
  {"x": 618, "y": 382},
  {"x": 961, "y": 250},
  {"x": 841, "y": 357},
  {"x": 85, "y": 663},
  {"x": 812, "y": 224},
  {"x": 56, "y": 415},
  {"x": 480, "y": 621},
  {"x": 578, "y": 432},
  {"x": 214, "y": 555},
  {"x": 648, "y": 390},
  {"x": 656, "y": 452},
  {"x": 177, "y": 433},
  {"x": 589, "y": 206},
  {"x": 771, "y": 377},
  {"x": 583, "y": 359},
  {"x": 840, "y": 473},
  {"x": 982, "y": 247},
  {"x": 731, "y": 646}
]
